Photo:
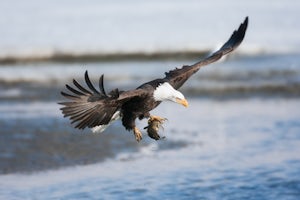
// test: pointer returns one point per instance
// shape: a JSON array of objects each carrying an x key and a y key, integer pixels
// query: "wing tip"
[
  {"x": 243, "y": 27},
  {"x": 246, "y": 20},
  {"x": 236, "y": 38},
  {"x": 101, "y": 85},
  {"x": 90, "y": 84}
]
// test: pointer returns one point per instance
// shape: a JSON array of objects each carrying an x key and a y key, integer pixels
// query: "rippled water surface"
[{"x": 224, "y": 149}]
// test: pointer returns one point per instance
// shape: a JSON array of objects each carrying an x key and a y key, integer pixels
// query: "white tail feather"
[{"x": 101, "y": 128}]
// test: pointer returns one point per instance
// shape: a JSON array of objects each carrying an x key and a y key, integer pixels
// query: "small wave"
[
  {"x": 28, "y": 110},
  {"x": 80, "y": 56},
  {"x": 239, "y": 75},
  {"x": 229, "y": 91},
  {"x": 10, "y": 93},
  {"x": 67, "y": 57}
]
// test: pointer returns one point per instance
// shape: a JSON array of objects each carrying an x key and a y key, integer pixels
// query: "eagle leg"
[{"x": 137, "y": 134}]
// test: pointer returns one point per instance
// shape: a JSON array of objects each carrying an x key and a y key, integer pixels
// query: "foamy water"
[{"x": 235, "y": 149}]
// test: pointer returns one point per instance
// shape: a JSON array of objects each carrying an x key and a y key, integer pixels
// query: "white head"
[{"x": 166, "y": 92}]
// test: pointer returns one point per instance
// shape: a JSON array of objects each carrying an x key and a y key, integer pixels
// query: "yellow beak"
[{"x": 182, "y": 102}]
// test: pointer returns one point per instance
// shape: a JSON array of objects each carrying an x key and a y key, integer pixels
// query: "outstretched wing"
[
  {"x": 90, "y": 107},
  {"x": 177, "y": 77}
]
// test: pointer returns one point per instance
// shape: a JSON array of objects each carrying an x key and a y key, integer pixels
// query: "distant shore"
[{"x": 68, "y": 57}]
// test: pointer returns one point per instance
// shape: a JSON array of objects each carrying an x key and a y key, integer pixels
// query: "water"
[
  {"x": 239, "y": 138},
  {"x": 221, "y": 151}
]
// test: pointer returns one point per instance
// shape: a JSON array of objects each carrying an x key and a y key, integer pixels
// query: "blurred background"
[{"x": 239, "y": 139}]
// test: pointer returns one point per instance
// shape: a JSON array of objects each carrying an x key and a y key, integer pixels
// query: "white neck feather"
[{"x": 166, "y": 92}]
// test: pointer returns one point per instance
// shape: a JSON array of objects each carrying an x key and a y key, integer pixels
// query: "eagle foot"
[
  {"x": 154, "y": 124},
  {"x": 137, "y": 134}
]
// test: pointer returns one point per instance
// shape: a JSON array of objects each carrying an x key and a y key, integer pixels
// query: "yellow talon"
[{"x": 137, "y": 134}]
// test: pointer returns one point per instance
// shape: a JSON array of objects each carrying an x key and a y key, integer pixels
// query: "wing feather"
[
  {"x": 73, "y": 90},
  {"x": 69, "y": 96},
  {"x": 90, "y": 108},
  {"x": 88, "y": 82},
  {"x": 177, "y": 77},
  {"x": 101, "y": 85},
  {"x": 81, "y": 88}
]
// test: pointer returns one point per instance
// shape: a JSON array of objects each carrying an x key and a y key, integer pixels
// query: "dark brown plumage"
[
  {"x": 177, "y": 77},
  {"x": 96, "y": 109}
]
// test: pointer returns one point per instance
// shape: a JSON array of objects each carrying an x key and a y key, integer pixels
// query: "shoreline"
[{"x": 69, "y": 57}]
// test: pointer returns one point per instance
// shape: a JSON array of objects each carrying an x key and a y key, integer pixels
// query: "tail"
[{"x": 101, "y": 128}]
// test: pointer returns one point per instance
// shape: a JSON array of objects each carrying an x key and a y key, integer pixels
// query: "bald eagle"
[{"x": 90, "y": 108}]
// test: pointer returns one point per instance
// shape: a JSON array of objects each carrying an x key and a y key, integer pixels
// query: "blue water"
[
  {"x": 239, "y": 138},
  {"x": 237, "y": 149}
]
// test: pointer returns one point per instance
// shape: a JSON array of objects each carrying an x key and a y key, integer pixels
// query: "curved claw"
[{"x": 137, "y": 134}]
